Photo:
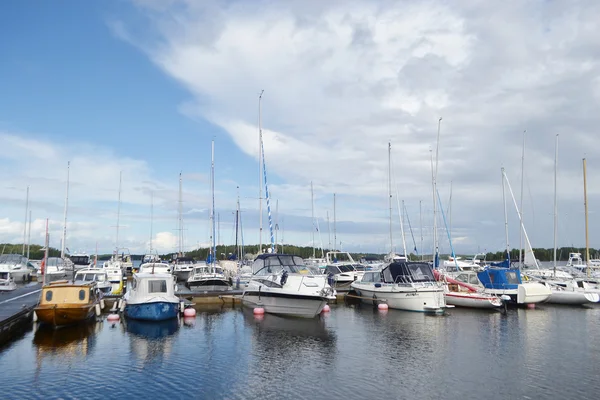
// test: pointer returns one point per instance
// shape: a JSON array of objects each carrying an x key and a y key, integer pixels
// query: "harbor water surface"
[{"x": 350, "y": 353}]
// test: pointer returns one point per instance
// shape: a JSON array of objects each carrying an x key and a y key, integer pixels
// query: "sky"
[{"x": 141, "y": 88}]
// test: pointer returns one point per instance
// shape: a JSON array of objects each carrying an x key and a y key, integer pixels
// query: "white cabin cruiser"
[
  {"x": 7, "y": 283},
  {"x": 81, "y": 261},
  {"x": 409, "y": 286},
  {"x": 344, "y": 270},
  {"x": 55, "y": 269},
  {"x": 183, "y": 268},
  {"x": 282, "y": 284},
  {"x": 209, "y": 278},
  {"x": 115, "y": 277},
  {"x": 155, "y": 267},
  {"x": 16, "y": 264},
  {"x": 152, "y": 297},
  {"x": 97, "y": 275}
]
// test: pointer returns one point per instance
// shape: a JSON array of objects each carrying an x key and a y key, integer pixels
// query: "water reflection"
[
  {"x": 70, "y": 340},
  {"x": 151, "y": 341}
]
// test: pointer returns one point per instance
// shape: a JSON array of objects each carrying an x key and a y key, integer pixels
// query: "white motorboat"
[
  {"x": 97, "y": 275},
  {"x": 7, "y": 283},
  {"x": 155, "y": 267},
  {"x": 507, "y": 283},
  {"x": 16, "y": 264},
  {"x": 208, "y": 278},
  {"x": 408, "y": 286},
  {"x": 152, "y": 297},
  {"x": 183, "y": 268},
  {"x": 115, "y": 277},
  {"x": 570, "y": 293},
  {"x": 282, "y": 284},
  {"x": 81, "y": 261},
  {"x": 54, "y": 269},
  {"x": 244, "y": 276},
  {"x": 344, "y": 270}
]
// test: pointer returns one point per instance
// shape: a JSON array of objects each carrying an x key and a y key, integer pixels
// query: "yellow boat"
[{"x": 65, "y": 303}]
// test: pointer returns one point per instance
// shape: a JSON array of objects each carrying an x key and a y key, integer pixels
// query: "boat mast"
[
  {"x": 555, "y": 202},
  {"x": 118, "y": 214},
  {"x": 180, "y": 216},
  {"x": 64, "y": 236},
  {"x": 237, "y": 220},
  {"x": 29, "y": 235},
  {"x": 505, "y": 217},
  {"x": 328, "y": 230},
  {"x": 587, "y": 243},
  {"x": 521, "y": 202},
  {"x": 435, "y": 238},
  {"x": 276, "y": 225},
  {"x": 334, "y": 226},
  {"x": 260, "y": 155},
  {"x": 421, "y": 224},
  {"x": 46, "y": 245},
  {"x": 25, "y": 225},
  {"x": 151, "y": 217},
  {"x": 390, "y": 194},
  {"x": 312, "y": 204},
  {"x": 450, "y": 213},
  {"x": 212, "y": 189}
]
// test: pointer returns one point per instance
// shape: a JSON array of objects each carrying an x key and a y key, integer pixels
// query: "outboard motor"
[
  {"x": 284, "y": 277},
  {"x": 330, "y": 279}
]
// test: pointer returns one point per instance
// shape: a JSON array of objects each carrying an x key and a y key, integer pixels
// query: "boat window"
[
  {"x": 346, "y": 268},
  {"x": 370, "y": 277},
  {"x": 473, "y": 280},
  {"x": 298, "y": 260},
  {"x": 48, "y": 295},
  {"x": 82, "y": 294},
  {"x": 157, "y": 286},
  {"x": 462, "y": 278},
  {"x": 3, "y": 275},
  {"x": 80, "y": 260},
  {"x": 387, "y": 276},
  {"x": 512, "y": 278},
  {"x": 359, "y": 267},
  {"x": 421, "y": 272},
  {"x": 333, "y": 269}
]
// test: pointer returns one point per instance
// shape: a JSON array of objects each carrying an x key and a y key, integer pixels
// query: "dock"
[{"x": 16, "y": 309}]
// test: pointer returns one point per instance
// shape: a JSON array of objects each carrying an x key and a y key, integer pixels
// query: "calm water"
[{"x": 353, "y": 353}]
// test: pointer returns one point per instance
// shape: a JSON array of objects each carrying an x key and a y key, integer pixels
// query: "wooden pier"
[{"x": 16, "y": 310}]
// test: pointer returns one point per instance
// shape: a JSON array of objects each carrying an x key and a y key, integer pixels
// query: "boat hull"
[
  {"x": 573, "y": 297},
  {"x": 526, "y": 293},
  {"x": 288, "y": 304},
  {"x": 182, "y": 275},
  {"x": 472, "y": 300},
  {"x": 154, "y": 311},
  {"x": 428, "y": 300},
  {"x": 65, "y": 314}
]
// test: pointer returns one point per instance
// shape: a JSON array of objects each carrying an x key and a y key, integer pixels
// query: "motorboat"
[
  {"x": 54, "y": 269},
  {"x": 152, "y": 297},
  {"x": 183, "y": 268},
  {"x": 148, "y": 258},
  {"x": 282, "y": 284},
  {"x": 571, "y": 292},
  {"x": 7, "y": 282},
  {"x": 209, "y": 278},
  {"x": 65, "y": 303},
  {"x": 115, "y": 277},
  {"x": 405, "y": 285},
  {"x": 244, "y": 276},
  {"x": 155, "y": 267},
  {"x": 81, "y": 261},
  {"x": 122, "y": 261},
  {"x": 16, "y": 264},
  {"x": 96, "y": 275},
  {"x": 507, "y": 283},
  {"x": 342, "y": 276}
]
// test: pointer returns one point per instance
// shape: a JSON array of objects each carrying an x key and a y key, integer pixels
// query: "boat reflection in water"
[
  {"x": 76, "y": 340},
  {"x": 151, "y": 340}
]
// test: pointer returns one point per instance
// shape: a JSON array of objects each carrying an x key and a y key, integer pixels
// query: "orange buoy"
[
  {"x": 113, "y": 318},
  {"x": 326, "y": 308},
  {"x": 382, "y": 307},
  {"x": 189, "y": 312},
  {"x": 259, "y": 311}
]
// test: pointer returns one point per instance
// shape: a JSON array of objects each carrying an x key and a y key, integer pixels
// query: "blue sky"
[{"x": 144, "y": 86}]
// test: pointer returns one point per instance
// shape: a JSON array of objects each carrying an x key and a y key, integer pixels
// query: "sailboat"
[
  {"x": 121, "y": 261},
  {"x": 210, "y": 277},
  {"x": 314, "y": 261}
]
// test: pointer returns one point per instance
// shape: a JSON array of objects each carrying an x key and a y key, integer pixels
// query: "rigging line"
[
  {"x": 410, "y": 227},
  {"x": 447, "y": 231}
]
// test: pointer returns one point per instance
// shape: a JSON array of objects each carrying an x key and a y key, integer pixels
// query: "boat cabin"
[
  {"x": 339, "y": 269},
  {"x": 155, "y": 268},
  {"x": 272, "y": 264},
  {"x": 91, "y": 275},
  {"x": 144, "y": 284},
  {"x": 401, "y": 273},
  {"x": 500, "y": 278},
  {"x": 208, "y": 270},
  {"x": 63, "y": 292}
]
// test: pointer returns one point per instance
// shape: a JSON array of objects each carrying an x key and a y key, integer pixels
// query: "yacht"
[
  {"x": 152, "y": 297},
  {"x": 183, "y": 268},
  {"x": 282, "y": 284},
  {"x": 404, "y": 285},
  {"x": 54, "y": 269},
  {"x": 7, "y": 283},
  {"x": 96, "y": 275},
  {"x": 209, "y": 278},
  {"x": 16, "y": 264},
  {"x": 81, "y": 261},
  {"x": 63, "y": 303}
]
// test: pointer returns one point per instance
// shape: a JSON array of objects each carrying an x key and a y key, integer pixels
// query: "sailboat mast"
[
  {"x": 212, "y": 189},
  {"x": 435, "y": 235},
  {"x": 260, "y": 155},
  {"x": 276, "y": 225},
  {"x": 64, "y": 236},
  {"x": 587, "y": 242},
  {"x": 328, "y": 230},
  {"x": 555, "y": 201},
  {"x": 118, "y": 212},
  {"x": 334, "y": 226},
  {"x": 180, "y": 216},
  {"x": 421, "y": 225},
  {"x": 505, "y": 216},
  {"x": 450, "y": 213},
  {"x": 25, "y": 225},
  {"x": 29, "y": 235},
  {"x": 312, "y": 204},
  {"x": 46, "y": 245},
  {"x": 521, "y": 202},
  {"x": 390, "y": 194},
  {"x": 151, "y": 217},
  {"x": 237, "y": 221}
]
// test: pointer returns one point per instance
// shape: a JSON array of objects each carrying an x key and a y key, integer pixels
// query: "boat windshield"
[
  {"x": 90, "y": 277},
  {"x": 346, "y": 268},
  {"x": 55, "y": 262},
  {"x": 4, "y": 275},
  {"x": 157, "y": 286},
  {"x": 371, "y": 277},
  {"x": 408, "y": 272},
  {"x": 332, "y": 269},
  {"x": 12, "y": 259},
  {"x": 274, "y": 264},
  {"x": 80, "y": 260},
  {"x": 359, "y": 267}
]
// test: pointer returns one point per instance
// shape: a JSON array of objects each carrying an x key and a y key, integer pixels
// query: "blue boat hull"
[{"x": 158, "y": 311}]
